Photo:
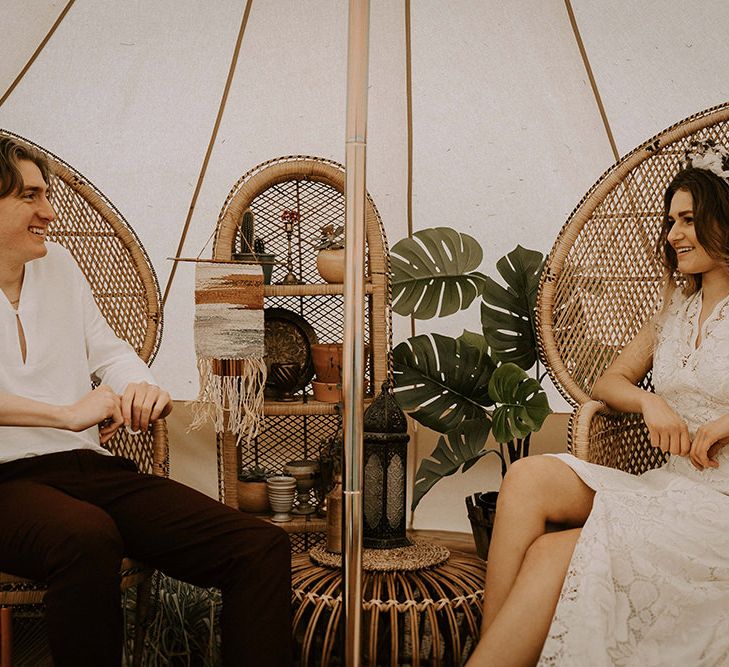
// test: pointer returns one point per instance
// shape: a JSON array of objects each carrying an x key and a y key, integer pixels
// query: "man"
[{"x": 68, "y": 509}]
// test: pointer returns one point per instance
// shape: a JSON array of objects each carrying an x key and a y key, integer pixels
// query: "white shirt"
[{"x": 68, "y": 342}]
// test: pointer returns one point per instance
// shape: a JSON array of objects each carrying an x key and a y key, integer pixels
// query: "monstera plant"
[{"x": 477, "y": 383}]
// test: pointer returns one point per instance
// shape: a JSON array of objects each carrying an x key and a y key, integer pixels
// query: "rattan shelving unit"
[{"x": 314, "y": 188}]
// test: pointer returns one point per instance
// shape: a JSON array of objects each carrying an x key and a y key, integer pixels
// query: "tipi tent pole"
[{"x": 353, "y": 366}]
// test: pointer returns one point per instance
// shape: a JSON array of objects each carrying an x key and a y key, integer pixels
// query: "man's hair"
[
  {"x": 11, "y": 153},
  {"x": 710, "y": 195}
]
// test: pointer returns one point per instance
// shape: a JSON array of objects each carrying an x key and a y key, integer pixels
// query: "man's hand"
[
  {"x": 710, "y": 439},
  {"x": 100, "y": 406},
  {"x": 668, "y": 431},
  {"x": 142, "y": 403}
]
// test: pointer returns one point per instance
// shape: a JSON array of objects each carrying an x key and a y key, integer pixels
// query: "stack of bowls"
[{"x": 281, "y": 493}]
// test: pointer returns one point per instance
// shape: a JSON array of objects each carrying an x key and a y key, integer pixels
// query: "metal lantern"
[{"x": 385, "y": 467}]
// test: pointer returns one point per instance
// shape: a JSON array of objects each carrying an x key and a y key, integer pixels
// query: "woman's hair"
[
  {"x": 710, "y": 195},
  {"x": 11, "y": 153}
]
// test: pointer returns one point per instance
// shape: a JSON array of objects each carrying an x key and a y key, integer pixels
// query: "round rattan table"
[{"x": 421, "y": 606}]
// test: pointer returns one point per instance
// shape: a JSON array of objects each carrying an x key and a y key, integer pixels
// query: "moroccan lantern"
[{"x": 385, "y": 466}]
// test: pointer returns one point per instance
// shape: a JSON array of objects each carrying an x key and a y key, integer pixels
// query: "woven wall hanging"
[{"x": 229, "y": 332}]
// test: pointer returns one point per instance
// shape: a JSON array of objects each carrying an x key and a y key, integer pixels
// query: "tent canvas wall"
[{"x": 507, "y": 133}]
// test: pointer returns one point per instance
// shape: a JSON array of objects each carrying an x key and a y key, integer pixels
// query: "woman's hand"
[
  {"x": 668, "y": 432},
  {"x": 100, "y": 406},
  {"x": 710, "y": 439},
  {"x": 142, "y": 403}
]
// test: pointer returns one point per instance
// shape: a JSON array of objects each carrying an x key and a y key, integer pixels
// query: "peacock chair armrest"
[
  {"x": 616, "y": 439},
  {"x": 150, "y": 450}
]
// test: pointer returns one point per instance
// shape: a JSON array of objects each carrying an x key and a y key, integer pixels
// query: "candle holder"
[
  {"x": 290, "y": 218},
  {"x": 305, "y": 473}
]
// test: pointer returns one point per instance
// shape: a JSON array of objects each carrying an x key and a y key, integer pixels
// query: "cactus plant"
[
  {"x": 247, "y": 232},
  {"x": 253, "y": 248}
]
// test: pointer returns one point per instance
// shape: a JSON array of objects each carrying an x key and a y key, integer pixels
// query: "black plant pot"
[
  {"x": 481, "y": 513},
  {"x": 266, "y": 260}
]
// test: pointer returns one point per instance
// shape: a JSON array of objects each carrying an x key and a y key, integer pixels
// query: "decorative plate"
[{"x": 288, "y": 339}]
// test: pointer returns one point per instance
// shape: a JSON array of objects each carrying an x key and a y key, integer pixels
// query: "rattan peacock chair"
[
  {"x": 602, "y": 281},
  {"x": 126, "y": 291}
]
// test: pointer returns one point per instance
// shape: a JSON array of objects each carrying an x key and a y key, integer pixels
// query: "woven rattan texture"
[
  {"x": 324, "y": 313},
  {"x": 285, "y": 438},
  {"x": 612, "y": 439},
  {"x": 318, "y": 202},
  {"x": 419, "y": 555},
  {"x": 108, "y": 252},
  {"x": 602, "y": 280},
  {"x": 103, "y": 257},
  {"x": 301, "y": 543},
  {"x": 314, "y": 189},
  {"x": 421, "y": 617}
]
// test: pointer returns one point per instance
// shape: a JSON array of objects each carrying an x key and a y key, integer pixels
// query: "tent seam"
[
  {"x": 591, "y": 77},
  {"x": 208, "y": 152},
  {"x": 36, "y": 53}
]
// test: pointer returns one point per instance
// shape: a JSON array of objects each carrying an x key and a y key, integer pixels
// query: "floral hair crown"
[{"x": 707, "y": 154}]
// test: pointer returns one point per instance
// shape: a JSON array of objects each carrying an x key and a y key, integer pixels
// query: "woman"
[{"x": 640, "y": 574}]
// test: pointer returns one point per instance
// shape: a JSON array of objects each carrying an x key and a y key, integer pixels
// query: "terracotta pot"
[
  {"x": 327, "y": 359},
  {"x": 328, "y": 392},
  {"x": 253, "y": 497},
  {"x": 330, "y": 264}
]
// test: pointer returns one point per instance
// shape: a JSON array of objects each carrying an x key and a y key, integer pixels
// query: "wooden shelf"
[
  {"x": 314, "y": 289},
  {"x": 298, "y": 407},
  {"x": 310, "y": 523}
]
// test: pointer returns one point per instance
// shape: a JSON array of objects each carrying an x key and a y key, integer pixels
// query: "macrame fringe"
[{"x": 231, "y": 402}]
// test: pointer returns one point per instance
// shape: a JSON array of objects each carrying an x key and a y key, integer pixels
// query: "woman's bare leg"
[
  {"x": 536, "y": 490},
  {"x": 516, "y": 636}
]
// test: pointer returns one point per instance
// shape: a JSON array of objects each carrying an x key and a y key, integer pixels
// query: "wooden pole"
[{"x": 353, "y": 361}]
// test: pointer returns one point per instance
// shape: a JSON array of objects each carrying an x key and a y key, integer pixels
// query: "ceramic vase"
[
  {"x": 283, "y": 378},
  {"x": 330, "y": 264},
  {"x": 281, "y": 493}
]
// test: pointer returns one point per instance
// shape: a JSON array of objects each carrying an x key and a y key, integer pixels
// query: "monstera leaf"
[
  {"x": 522, "y": 405},
  {"x": 507, "y": 313},
  {"x": 461, "y": 447},
  {"x": 434, "y": 273},
  {"x": 443, "y": 381}
]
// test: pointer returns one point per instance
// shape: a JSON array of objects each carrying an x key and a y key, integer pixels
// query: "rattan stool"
[{"x": 421, "y": 606}]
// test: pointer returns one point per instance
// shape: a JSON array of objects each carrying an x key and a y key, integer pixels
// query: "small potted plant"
[
  {"x": 252, "y": 490},
  {"x": 253, "y": 249},
  {"x": 330, "y": 258},
  {"x": 468, "y": 387}
]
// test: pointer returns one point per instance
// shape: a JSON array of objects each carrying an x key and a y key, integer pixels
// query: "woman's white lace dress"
[{"x": 648, "y": 583}]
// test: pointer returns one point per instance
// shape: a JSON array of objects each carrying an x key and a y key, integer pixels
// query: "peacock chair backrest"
[
  {"x": 602, "y": 279},
  {"x": 117, "y": 268}
]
